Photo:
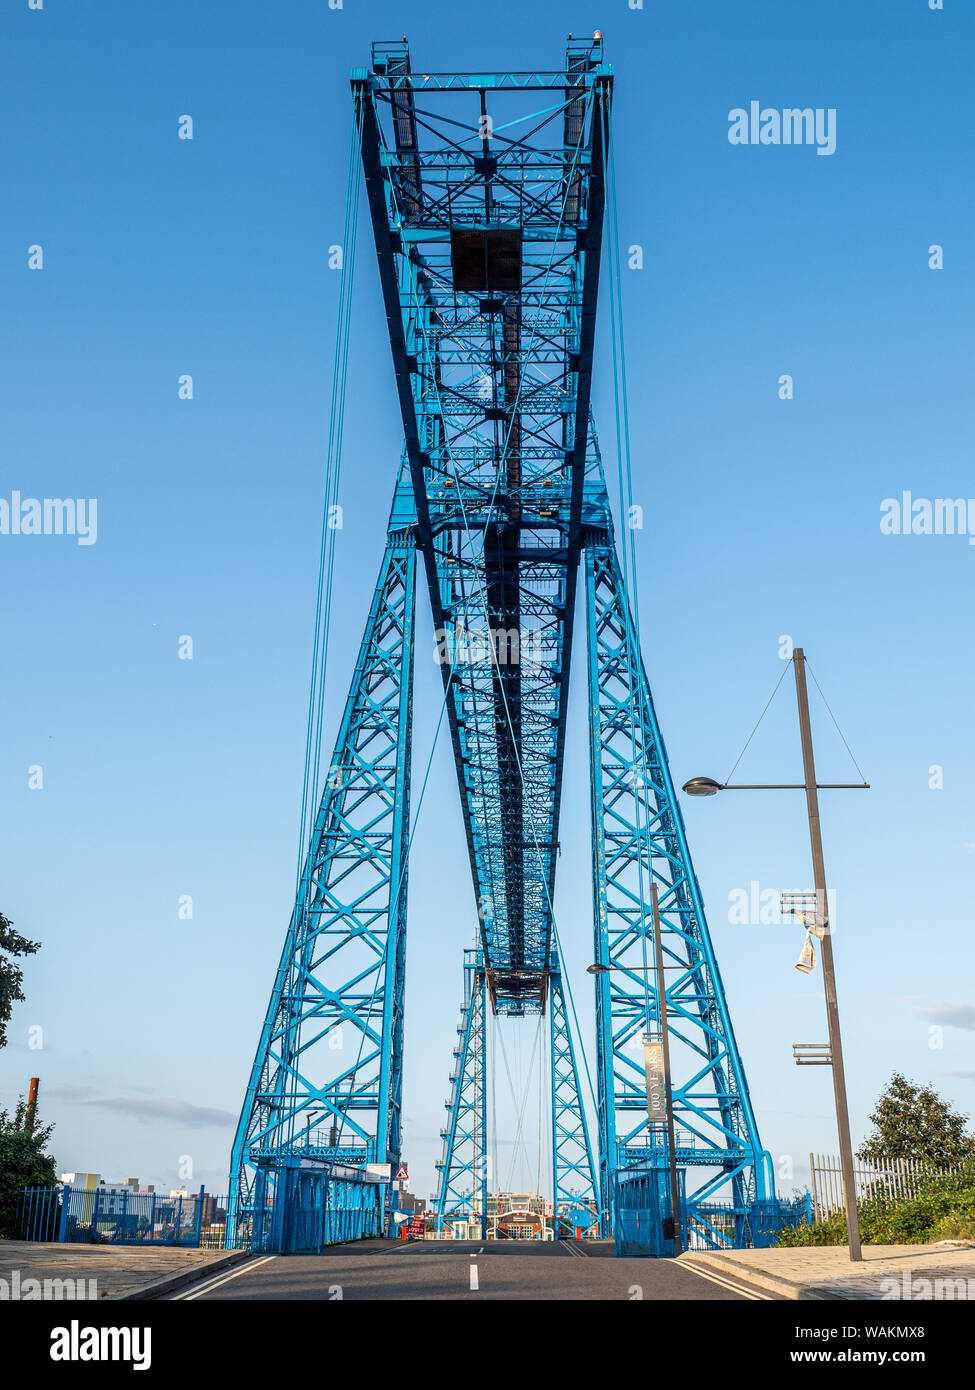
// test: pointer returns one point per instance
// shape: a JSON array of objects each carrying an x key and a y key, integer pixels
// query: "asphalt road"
[{"x": 461, "y": 1270}]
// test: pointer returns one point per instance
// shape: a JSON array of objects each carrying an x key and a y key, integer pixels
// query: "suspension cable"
[
  {"x": 326, "y": 562},
  {"x": 758, "y": 721},
  {"x": 836, "y": 726},
  {"x": 630, "y": 585}
]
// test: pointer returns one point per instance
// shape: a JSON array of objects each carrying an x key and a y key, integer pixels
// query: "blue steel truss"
[
  {"x": 464, "y": 1167},
  {"x": 574, "y": 1184},
  {"x": 326, "y": 1083},
  {"x": 638, "y": 839},
  {"x": 463, "y": 1170},
  {"x": 488, "y": 225},
  {"x": 486, "y": 198}
]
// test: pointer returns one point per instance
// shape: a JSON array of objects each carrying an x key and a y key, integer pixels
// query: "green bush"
[
  {"x": 944, "y": 1209},
  {"x": 23, "y": 1163}
]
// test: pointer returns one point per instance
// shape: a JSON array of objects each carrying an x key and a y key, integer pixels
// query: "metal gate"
[{"x": 644, "y": 1213}]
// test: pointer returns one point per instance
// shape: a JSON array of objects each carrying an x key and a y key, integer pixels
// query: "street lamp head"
[
  {"x": 597, "y": 969},
  {"x": 702, "y": 786}
]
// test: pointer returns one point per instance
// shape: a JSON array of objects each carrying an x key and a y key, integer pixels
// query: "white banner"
[{"x": 653, "y": 1062}]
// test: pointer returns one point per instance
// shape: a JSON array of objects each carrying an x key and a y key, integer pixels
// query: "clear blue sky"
[{"x": 165, "y": 777}]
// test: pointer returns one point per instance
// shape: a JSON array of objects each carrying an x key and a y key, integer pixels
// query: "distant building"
[
  {"x": 518, "y": 1216},
  {"x": 113, "y": 1198},
  {"x": 145, "y": 1213},
  {"x": 88, "y": 1182},
  {"x": 408, "y": 1201},
  {"x": 458, "y": 1228}
]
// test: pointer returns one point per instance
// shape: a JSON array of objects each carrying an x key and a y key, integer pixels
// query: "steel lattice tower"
[{"x": 486, "y": 195}]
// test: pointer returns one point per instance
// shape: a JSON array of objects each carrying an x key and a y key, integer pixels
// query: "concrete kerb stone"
[
  {"x": 186, "y": 1276},
  {"x": 823, "y": 1274},
  {"x": 750, "y": 1278}
]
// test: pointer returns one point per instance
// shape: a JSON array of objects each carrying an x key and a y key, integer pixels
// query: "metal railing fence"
[
  {"x": 894, "y": 1179},
  {"x": 118, "y": 1216}
]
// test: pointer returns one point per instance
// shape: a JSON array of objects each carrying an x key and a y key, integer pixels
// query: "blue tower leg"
[
  {"x": 463, "y": 1168},
  {"x": 638, "y": 837},
  {"x": 576, "y": 1196},
  {"x": 326, "y": 1081},
  {"x": 488, "y": 254}
]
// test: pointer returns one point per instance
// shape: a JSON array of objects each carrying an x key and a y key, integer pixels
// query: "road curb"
[
  {"x": 750, "y": 1278},
  {"x": 177, "y": 1281}
]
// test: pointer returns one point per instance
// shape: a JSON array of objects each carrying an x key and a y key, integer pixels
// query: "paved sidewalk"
[
  {"x": 115, "y": 1269},
  {"x": 916, "y": 1272}
]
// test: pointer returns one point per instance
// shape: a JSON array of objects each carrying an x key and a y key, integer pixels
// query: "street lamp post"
[{"x": 706, "y": 786}]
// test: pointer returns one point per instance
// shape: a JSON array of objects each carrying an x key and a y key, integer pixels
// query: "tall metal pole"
[
  {"x": 665, "y": 1049},
  {"x": 829, "y": 979},
  {"x": 31, "y": 1115}
]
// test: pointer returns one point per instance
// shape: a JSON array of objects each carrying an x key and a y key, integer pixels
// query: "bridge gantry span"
[{"x": 487, "y": 196}]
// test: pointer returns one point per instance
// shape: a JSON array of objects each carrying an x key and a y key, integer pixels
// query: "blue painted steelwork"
[
  {"x": 318, "y": 1204},
  {"x": 643, "y": 1204},
  {"x": 487, "y": 218},
  {"x": 326, "y": 1084},
  {"x": 117, "y": 1216},
  {"x": 463, "y": 1169},
  {"x": 724, "y": 1226},
  {"x": 486, "y": 198},
  {"x": 639, "y": 838},
  {"x": 574, "y": 1183},
  {"x": 767, "y": 1219}
]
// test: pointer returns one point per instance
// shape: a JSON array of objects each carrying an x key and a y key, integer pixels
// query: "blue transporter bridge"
[{"x": 487, "y": 196}]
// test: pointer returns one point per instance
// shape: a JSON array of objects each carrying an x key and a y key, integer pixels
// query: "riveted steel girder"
[
  {"x": 326, "y": 1083},
  {"x": 639, "y": 839}
]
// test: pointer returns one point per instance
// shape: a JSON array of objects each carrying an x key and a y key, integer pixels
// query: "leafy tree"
[
  {"x": 23, "y": 1163},
  {"x": 914, "y": 1122},
  {"x": 12, "y": 945}
]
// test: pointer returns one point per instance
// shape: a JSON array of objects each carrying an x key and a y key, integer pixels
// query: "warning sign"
[{"x": 401, "y": 1173}]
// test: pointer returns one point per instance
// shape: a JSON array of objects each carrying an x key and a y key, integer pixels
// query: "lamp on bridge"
[{"x": 702, "y": 786}]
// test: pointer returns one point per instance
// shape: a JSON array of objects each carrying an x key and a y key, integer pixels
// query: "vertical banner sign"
[{"x": 653, "y": 1061}]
